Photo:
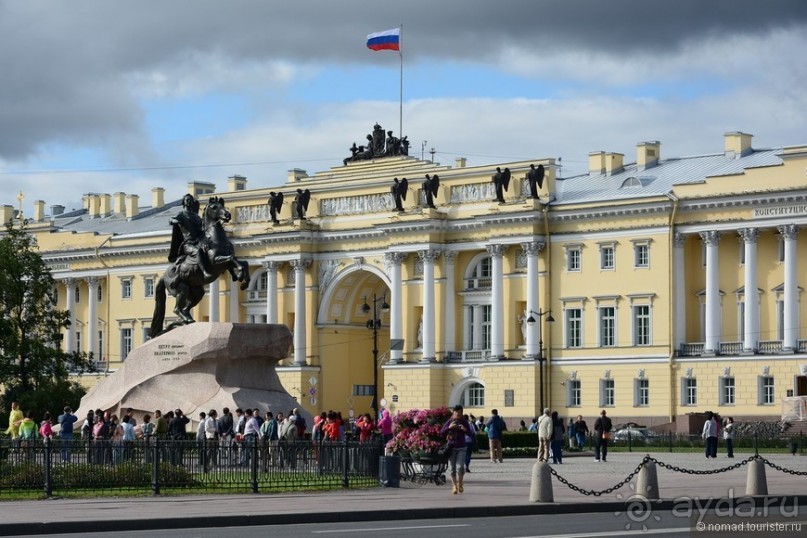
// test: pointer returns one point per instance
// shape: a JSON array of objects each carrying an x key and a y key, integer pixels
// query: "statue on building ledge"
[
  {"x": 535, "y": 179},
  {"x": 378, "y": 145},
  {"x": 301, "y": 202},
  {"x": 399, "y": 189},
  {"x": 430, "y": 187},
  {"x": 501, "y": 180},
  {"x": 275, "y": 205}
]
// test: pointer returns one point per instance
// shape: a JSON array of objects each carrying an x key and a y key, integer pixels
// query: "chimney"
[
  {"x": 647, "y": 154},
  {"x": 200, "y": 188},
  {"x": 56, "y": 210},
  {"x": 119, "y": 201},
  {"x": 460, "y": 162},
  {"x": 157, "y": 197},
  {"x": 106, "y": 205},
  {"x": 85, "y": 202},
  {"x": 596, "y": 162},
  {"x": 7, "y": 214},
  {"x": 737, "y": 144},
  {"x": 613, "y": 163},
  {"x": 94, "y": 205},
  {"x": 39, "y": 210},
  {"x": 236, "y": 183},
  {"x": 296, "y": 174},
  {"x": 131, "y": 205}
]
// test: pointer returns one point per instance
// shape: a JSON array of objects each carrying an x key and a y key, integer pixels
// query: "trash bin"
[{"x": 389, "y": 471}]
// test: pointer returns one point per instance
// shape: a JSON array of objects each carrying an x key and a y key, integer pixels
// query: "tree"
[{"x": 34, "y": 369}]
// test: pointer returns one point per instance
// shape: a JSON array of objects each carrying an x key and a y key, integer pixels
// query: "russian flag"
[{"x": 386, "y": 40}]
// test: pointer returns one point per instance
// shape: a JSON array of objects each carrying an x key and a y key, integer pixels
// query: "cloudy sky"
[{"x": 108, "y": 96}]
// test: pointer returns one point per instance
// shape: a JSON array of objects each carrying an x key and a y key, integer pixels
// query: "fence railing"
[{"x": 60, "y": 466}]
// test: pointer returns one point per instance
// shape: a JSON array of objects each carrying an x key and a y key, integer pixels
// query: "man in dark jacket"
[{"x": 602, "y": 431}]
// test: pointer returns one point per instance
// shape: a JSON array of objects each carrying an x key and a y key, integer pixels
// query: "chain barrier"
[
  {"x": 604, "y": 491},
  {"x": 782, "y": 469},
  {"x": 698, "y": 471}
]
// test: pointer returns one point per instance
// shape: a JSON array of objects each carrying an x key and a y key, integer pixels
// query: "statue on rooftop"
[{"x": 378, "y": 145}]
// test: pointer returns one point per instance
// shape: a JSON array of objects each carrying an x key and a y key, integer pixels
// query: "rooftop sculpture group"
[{"x": 378, "y": 145}]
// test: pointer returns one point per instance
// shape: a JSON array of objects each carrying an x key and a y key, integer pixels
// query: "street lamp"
[
  {"x": 375, "y": 324},
  {"x": 531, "y": 321}
]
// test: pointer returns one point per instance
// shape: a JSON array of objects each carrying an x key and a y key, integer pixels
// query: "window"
[
  {"x": 607, "y": 326},
  {"x": 641, "y": 392},
  {"x": 479, "y": 326},
  {"x": 77, "y": 292},
  {"x": 742, "y": 253},
  {"x": 125, "y": 342},
  {"x": 362, "y": 390},
  {"x": 480, "y": 276},
  {"x": 606, "y": 257},
  {"x": 641, "y": 253},
  {"x": 573, "y": 393},
  {"x": 641, "y": 325},
  {"x": 765, "y": 390},
  {"x": 741, "y": 321},
  {"x": 55, "y": 296},
  {"x": 146, "y": 334},
  {"x": 148, "y": 286},
  {"x": 126, "y": 288},
  {"x": 726, "y": 391},
  {"x": 474, "y": 395},
  {"x": 573, "y": 262},
  {"x": 780, "y": 320},
  {"x": 100, "y": 346},
  {"x": 607, "y": 392},
  {"x": 574, "y": 327},
  {"x": 781, "y": 250},
  {"x": 78, "y": 341},
  {"x": 690, "y": 391},
  {"x": 100, "y": 294},
  {"x": 509, "y": 398}
]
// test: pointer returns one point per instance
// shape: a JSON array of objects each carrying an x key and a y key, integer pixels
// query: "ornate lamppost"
[
  {"x": 531, "y": 321},
  {"x": 374, "y": 324}
]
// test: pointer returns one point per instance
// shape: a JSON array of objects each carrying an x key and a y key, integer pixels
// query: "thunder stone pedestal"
[{"x": 199, "y": 367}]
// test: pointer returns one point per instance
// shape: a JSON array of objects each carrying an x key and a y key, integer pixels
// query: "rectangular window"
[
  {"x": 125, "y": 342},
  {"x": 362, "y": 390},
  {"x": 689, "y": 387},
  {"x": 100, "y": 346},
  {"x": 765, "y": 390},
  {"x": 509, "y": 398},
  {"x": 486, "y": 315},
  {"x": 77, "y": 292},
  {"x": 474, "y": 396},
  {"x": 573, "y": 393},
  {"x": 781, "y": 250},
  {"x": 607, "y": 326},
  {"x": 574, "y": 327},
  {"x": 726, "y": 391},
  {"x": 78, "y": 341},
  {"x": 741, "y": 321},
  {"x": 148, "y": 285},
  {"x": 641, "y": 392},
  {"x": 146, "y": 334},
  {"x": 606, "y": 257},
  {"x": 100, "y": 294},
  {"x": 641, "y": 325},
  {"x": 126, "y": 288},
  {"x": 573, "y": 259},
  {"x": 780, "y": 320},
  {"x": 642, "y": 255},
  {"x": 607, "y": 391}
]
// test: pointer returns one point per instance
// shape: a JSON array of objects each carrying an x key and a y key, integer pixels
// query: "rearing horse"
[{"x": 185, "y": 279}]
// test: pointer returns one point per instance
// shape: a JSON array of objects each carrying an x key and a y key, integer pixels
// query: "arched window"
[
  {"x": 473, "y": 395},
  {"x": 479, "y": 277}
]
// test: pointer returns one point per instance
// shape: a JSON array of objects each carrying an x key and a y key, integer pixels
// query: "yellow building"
[{"x": 624, "y": 288}]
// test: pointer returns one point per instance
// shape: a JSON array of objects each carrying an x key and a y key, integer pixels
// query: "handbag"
[{"x": 606, "y": 435}]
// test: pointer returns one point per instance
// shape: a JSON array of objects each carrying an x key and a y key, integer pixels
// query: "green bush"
[{"x": 84, "y": 476}]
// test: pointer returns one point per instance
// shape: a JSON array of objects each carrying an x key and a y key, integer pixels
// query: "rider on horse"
[{"x": 188, "y": 237}]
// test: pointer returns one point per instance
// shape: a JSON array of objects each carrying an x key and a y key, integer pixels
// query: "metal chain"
[
  {"x": 782, "y": 469},
  {"x": 698, "y": 471},
  {"x": 602, "y": 492}
]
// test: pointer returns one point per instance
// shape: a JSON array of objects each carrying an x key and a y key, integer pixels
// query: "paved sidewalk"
[{"x": 491, "y": 489}]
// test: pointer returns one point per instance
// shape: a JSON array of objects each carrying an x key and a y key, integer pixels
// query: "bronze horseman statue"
[{"x": 200, "y": 252}]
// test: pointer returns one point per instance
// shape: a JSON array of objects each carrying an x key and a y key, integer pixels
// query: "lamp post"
[
  {"x": 531, "y": 321},
  {"x": 375, "y": 324}
]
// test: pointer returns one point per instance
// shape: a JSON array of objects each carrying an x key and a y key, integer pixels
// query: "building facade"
[{"x": 654, "y": 288}]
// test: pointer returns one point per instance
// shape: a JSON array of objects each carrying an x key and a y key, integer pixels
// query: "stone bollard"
[
  {"x": 647, "y": 483},
  {"x": 757, "y": 484},
  {"x": 541, "y": 483}
]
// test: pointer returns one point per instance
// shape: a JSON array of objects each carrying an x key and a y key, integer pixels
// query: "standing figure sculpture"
[
  {"x": 200, "y": 252},
  {"x": 399, "y": 193},
  {"x": 275, "y": 205},
  {"x": 501, "y": 181},
  {"x": 430, "y": 187},
  {"x": 302, "y": 199},
  {"x": 535, "y": 178}
]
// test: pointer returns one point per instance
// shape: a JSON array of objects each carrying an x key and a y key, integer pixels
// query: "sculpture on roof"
[
  {"x": 275, "y": 205},
  {"x": 501, "y": 180},
  {"x": 535, "y": 178},
  {"x": 378, "y": 145},
  {"x": 399, "y": 189},
  {"x": 200, "y": 252},
  {"x": 430, "y": 187},
  {"x": 301, "y": 200}
]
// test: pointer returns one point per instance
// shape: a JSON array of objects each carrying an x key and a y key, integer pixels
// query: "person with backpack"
[{"x": 494, "y": 428}]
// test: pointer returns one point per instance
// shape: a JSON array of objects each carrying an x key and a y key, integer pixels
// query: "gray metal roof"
[{"x": 147, "y": 220}]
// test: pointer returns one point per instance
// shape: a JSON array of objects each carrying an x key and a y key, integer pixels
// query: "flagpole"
[{"x": 400, "y": 105}]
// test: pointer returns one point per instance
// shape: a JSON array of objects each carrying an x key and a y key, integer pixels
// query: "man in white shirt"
[
  {"x": 544, "y": 435},
  {"x": 212, "y": 437}
]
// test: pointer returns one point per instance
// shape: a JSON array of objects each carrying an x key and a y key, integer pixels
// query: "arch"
[
  {"x": 348, "y": 288},
  {"x": 455, "y": 397},
  {"x": 473, "y": 263}
]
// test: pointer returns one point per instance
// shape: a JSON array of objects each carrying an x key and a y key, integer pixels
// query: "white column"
[
  {"x": 497, "y": 301},
  {"x": 70, "y": 336},
  {"x": 449, "y": 305},
  {"x": 791, "y": 328},
  {"x": 713, "y": 320},
  {"x": 751, "y": 313},
  {"x": 235, "y": 307},
  {"x": 428, "y": 257},
  {"x": 300, "y": 321},
  {"x": 92, "y": 313},
  {"x": 271, "y": 290},
  {"x": 393, "y": 261},
  {"x": 533, "y": 329},
  {"x": 213, "y": 293},
  {"x": 679, "y": 291}
]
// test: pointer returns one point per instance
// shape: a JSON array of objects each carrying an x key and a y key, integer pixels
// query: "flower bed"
[{"x": 418, "y": 430}]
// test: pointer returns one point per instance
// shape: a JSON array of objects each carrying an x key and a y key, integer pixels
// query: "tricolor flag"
[{"x": 386, "y": 40}]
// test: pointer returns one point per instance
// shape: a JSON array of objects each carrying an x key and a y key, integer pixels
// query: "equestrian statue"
[{"x": 200, "y": 252}]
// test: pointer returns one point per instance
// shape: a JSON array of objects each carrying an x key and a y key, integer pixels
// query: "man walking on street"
[
  {"x": 544, "y": 435},
  {"x": 495, "y": 427},
  {"x": 602, "y": 430}
]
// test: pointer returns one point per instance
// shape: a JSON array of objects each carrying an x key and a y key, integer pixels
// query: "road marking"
[
  {"x": 620, "y": 533},
  {"x": 393, "y": 529}
]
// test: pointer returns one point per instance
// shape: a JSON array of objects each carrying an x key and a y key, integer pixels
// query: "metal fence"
[
  {"x": 674, "y": 442},
  {"x": 59, "y": 467}
]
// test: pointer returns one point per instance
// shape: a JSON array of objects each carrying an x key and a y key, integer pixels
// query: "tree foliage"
[{"x": 33, "y": 367}]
